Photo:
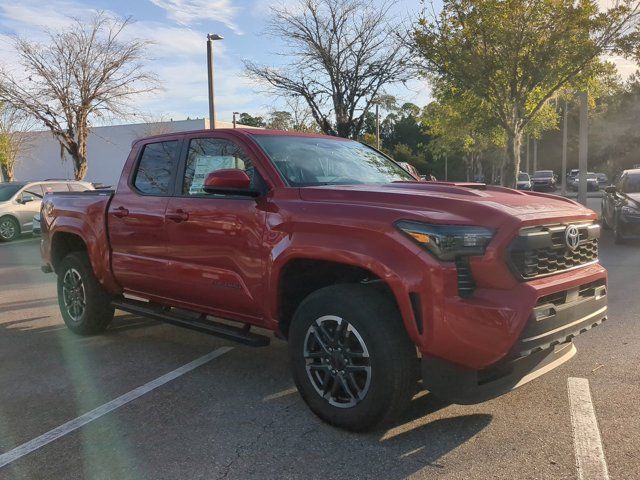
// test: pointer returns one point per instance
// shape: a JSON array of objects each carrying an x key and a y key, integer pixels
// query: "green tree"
[
  {"x": 513, "y": 56},
  {"x": 251, "y": 121},
  {"x": 280, "y": 120}
]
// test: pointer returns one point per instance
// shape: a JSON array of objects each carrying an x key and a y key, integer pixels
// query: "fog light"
[{"x": 544, "y": 313}]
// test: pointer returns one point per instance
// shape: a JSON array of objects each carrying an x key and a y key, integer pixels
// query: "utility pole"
[
  {"x": 583, "y": 146},
  {"x": 564, "y": 147},
  {"x": 234, "y": 118},
  {"x": 211, "y": 37},
  {"x": 378, "y": 125},
  {"x": 535, "y": 155}
]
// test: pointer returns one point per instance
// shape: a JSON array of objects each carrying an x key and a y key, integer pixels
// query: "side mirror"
[
  {"x": 231, "y": 181},
  {"x": 611, "y": 189},
  {"x": 27, "y": 199}
]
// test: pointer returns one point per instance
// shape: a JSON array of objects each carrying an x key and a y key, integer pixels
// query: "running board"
[{"x": 201, "y": 324}]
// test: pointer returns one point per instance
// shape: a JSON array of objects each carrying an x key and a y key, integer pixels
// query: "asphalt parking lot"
[{"x": 238, "y": 415}]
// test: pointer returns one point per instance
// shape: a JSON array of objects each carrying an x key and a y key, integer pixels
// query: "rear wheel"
[
  {"x": 85, "y": 306},
  {"x": 352, "y": 361},
  {"x": 9, "y": 229}
]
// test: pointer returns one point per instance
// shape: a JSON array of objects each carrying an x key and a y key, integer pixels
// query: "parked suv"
[
  {"x": 20, "y": 202},
  {"x": 374, "y": 278},
  {"x": 544, "y": 180}
]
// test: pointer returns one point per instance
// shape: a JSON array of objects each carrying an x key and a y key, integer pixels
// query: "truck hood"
[{"x": 458, "y": 203}]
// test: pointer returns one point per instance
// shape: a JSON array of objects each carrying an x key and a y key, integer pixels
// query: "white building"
[{"x": 107, "y": 150}]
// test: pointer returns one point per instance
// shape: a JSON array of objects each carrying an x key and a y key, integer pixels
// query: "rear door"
[
  {"x": 136, "y": 219},
  {"x": 215, "y": 241}
]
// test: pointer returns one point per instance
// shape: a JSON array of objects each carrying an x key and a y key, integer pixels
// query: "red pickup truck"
[{"x": 376, "y": 280}]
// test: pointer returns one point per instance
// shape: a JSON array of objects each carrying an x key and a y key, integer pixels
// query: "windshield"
[
  {"x": 523, "y": 177},
  {"x": 591, "y": 176},
  {"x": 543, "y": 174},
  {"x": 309, "y": 161},
  {"x": 632, "y": 184},
  {"x": 8, "y": 191}
]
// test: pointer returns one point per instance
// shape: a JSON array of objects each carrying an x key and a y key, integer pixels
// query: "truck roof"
[{"x": 243, "y": 132}]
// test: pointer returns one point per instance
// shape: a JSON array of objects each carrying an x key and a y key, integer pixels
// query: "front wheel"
[
  {"x": 85, "y": 306},
  {"x": 352, "y": 360},
  {"x": 9, "y": 229}
]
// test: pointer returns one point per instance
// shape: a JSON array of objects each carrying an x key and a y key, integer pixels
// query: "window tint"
[
  {"x": 208, "y": 155},
  {"x": 34, "y": 191},
  {"x": 77, "y": 187},
  {"x": 156, "y": 167},
  {"x": 55, "y": 187}
]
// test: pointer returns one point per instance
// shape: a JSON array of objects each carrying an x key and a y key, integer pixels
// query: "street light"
[
  {"x": 211, "y": 37},
  {"x": 234, "y": 118}
]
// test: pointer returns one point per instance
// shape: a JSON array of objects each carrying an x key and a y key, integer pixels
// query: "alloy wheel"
[
  {"x": 73, "y": 294},
  {"x": 7, "y": 229},
  {"x": 337, "y": 361}
]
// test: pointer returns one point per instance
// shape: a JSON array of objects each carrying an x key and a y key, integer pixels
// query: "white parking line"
[
  {"x": 590, "y": 459},
  {"x": 96, "y": 413}
]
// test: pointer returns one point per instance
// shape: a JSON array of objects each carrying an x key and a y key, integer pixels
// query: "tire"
[
  {"x": 85, "y": 306},
  {"x": 9, "y": 229},
  {"x": 381, "y": 384}
]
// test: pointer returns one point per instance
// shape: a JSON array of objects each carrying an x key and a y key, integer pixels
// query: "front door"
[
  {"x": 136, "y": 220},
  {"x": 28, "y": 205},
  {"x": 215, "y": 241}
]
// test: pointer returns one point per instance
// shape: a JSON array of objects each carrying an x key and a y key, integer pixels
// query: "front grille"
[{"x": 542, "y": 250}]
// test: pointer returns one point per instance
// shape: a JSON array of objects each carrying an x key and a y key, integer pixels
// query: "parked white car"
[{"x": 20, "y": 202}]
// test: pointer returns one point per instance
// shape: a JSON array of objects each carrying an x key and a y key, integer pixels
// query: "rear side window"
[
  {"x": 55, "y": 187},
  {"x": 77, "y": 187},
  {"x": 156, "y": 168}
]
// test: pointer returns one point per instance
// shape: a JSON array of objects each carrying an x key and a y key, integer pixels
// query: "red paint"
[{"x": 224, "y": 256}]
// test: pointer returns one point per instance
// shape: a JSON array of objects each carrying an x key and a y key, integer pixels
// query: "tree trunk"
[
  {"x": 512, "y": 167},
  {"x": 7, "y": 172}
]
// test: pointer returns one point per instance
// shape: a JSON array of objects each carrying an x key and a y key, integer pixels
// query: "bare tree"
[
  {"x": 86, "y": 72},
  {"x": 15, "y": 138},
  {"x": 344, "y": 53}
]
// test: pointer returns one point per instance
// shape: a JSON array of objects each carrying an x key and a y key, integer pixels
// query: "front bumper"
[{"x": 543, "y": 341}]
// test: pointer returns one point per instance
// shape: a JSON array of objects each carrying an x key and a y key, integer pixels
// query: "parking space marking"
[
  {"x": 590, "y": 459},
  {"x": 102, "y": 410}
]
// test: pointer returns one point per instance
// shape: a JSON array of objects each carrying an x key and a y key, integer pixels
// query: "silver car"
[{"x": 20, "y": 202}]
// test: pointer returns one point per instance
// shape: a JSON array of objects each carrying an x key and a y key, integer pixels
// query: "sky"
[{"x": 179, "y": 28}]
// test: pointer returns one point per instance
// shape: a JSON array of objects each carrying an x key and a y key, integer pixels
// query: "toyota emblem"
[{"x": 572, "y": 237}]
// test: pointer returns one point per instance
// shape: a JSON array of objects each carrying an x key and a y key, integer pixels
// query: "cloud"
[{"x": 192, "y": 12}]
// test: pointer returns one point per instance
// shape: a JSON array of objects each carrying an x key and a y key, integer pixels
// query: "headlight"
[
  {"x": 631, "y": 211},
  {"x": 446, "y": 242}
]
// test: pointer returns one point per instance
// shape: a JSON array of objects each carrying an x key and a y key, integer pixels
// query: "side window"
[
  {"x": 155, "y": 168},
  {"x": 34, "y": 190},
  {"x": 207, "y": 155},
  {"x": 55, "y": 187},
  {"x": 76, "y": 187}
]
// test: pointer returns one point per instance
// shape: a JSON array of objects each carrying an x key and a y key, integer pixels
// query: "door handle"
[
  {"x": 121, "y": 212},
  {"x": 177, "y": 216}
]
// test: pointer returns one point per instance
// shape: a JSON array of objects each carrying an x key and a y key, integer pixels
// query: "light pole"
[
  {"x": 234, "y": 118},
  {"x": 211, "y": 37}
]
